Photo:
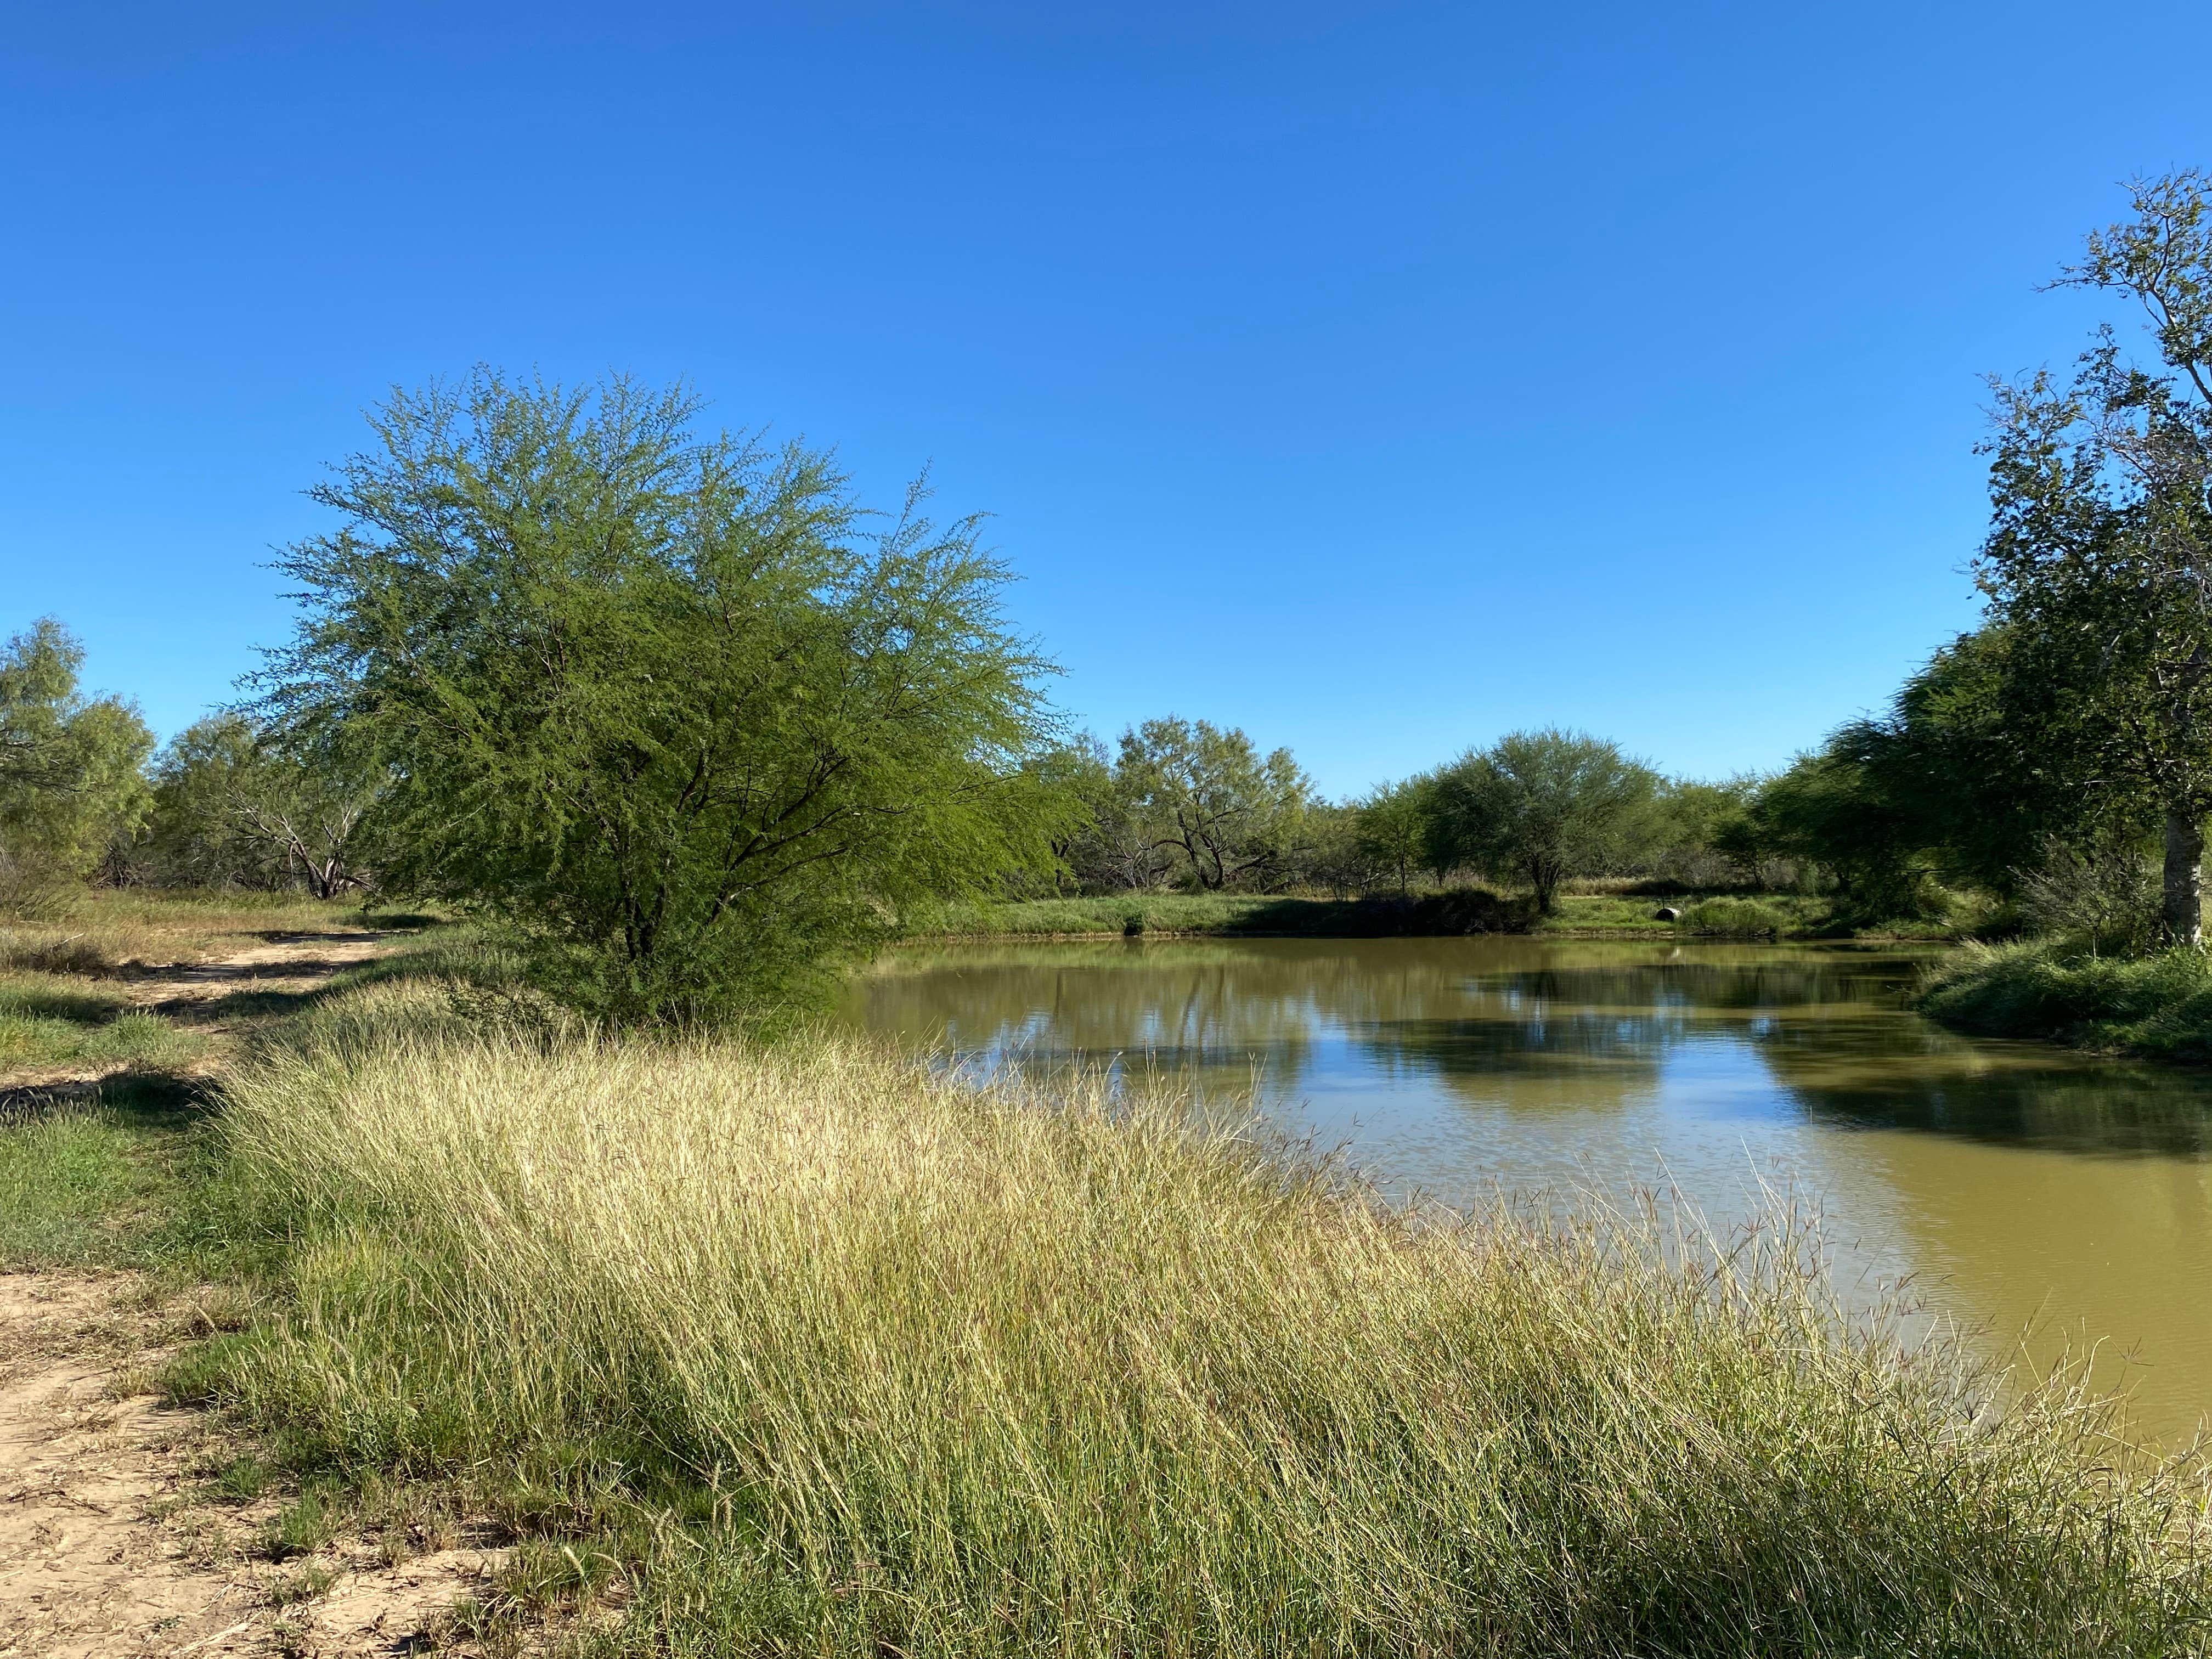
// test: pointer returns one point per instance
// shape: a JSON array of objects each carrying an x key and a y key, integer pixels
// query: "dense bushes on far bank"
[
  {"x": 1457, "y": 910},
  {"x": 1627, "y": 909}
]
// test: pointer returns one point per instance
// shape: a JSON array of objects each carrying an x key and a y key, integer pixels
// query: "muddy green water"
[{"x": 2038, "y": 1199}]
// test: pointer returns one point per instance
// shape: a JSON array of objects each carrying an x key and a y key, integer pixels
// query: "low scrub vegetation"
[
  {"x": 1741, "y": 917},
  {"x": 2159, "y": 1006},
  {"x": 859, "y": 1360},
  {"x": 1453, "y": 910}
]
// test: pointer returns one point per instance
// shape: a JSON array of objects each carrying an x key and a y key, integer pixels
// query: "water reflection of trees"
[
  {"x": 1906, "y": 1075},
  {"x": 1528, "y": 1025}
]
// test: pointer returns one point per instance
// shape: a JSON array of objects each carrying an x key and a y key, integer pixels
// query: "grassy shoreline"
[
  {"x": 2155, "y": 1007},
  {"x": 1595, "y": 914},
  {"x": 807, "y": 1348}
]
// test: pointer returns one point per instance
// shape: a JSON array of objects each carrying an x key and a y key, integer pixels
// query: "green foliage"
[
  {"x": 71, "y": 787},
  {"x": 1949, "y": 787},
  {"x": 1331, "y": 853},
  {"x": 1740, "y": 917},
  {"x": 1191, "y": 805},
  {"x": 2031, "y": 759},
  {"x": 2097, "y": 565},
  {"x": 2159, "y": 1006},
  {"x": 1828, "y": 807},
  {"x": 229, "y": 810},
  {"x": 1546, "y": 806},
  {"x": 2102, "y": 890},
  {"x": 1095, "y": 842},
  {"x": 1400, "y": 827},
  {"x": 1689, "y": 822},
  {"x": 665, "y": 704},
  {"x": 1206, "y": 797}
]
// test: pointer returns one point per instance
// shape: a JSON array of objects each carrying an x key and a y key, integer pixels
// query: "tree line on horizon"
[
  {"x": 1185, "y": 804},
  {"x": 695, "y": 723},
  {"x": 1177, "y": 804}
]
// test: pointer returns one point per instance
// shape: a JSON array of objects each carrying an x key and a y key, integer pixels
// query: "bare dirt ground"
[
  {"x": 295, "y": 963},
  {"x": 115, "y": 1542}
]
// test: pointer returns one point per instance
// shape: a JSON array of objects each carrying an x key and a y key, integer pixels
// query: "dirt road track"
[{"x": 111, "y": 1544}]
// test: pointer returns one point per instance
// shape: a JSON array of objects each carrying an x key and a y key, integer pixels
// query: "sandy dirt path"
[
  {"x": 214, "y": 999},
  {"x": 115, "y": 1542}
]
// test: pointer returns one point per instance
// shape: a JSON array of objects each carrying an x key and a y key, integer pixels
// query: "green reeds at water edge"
[
  {"x": 2158, "y": 1006},
  {"x": 891, "y": 1365}
]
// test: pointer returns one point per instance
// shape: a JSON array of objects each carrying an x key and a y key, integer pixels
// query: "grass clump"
[
  {"x": 2159, "y": 1006},
  {"x": 886, "y": 1364}
]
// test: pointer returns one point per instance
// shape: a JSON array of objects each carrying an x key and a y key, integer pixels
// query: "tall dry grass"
[{"x": 900, "y": 1366}]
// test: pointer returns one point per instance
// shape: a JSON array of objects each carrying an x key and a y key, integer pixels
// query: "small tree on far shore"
[
  {"x": 1225, "y": 812},
  {"x": 1546, "y": 806},
  {"x": 1398, "y": 827}
]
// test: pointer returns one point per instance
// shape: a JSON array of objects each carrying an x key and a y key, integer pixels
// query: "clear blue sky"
[{"x": 1377, "y": 378}]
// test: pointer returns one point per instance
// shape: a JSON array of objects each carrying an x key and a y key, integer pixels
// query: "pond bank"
[
  {"x": 1453, "y": 913},
  {"x": 2157, "y": 1007},
  {"x": 703, "y": 1347}
]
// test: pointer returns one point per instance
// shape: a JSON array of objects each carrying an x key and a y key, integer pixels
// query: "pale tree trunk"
[{"x": 2181, "y": 918}]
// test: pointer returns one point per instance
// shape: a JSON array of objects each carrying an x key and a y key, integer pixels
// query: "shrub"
[
  {"x": 717, "y": 731},
  {"x": 1747, "y": 917}
]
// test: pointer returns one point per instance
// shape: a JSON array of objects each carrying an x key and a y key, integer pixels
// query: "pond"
[{"x": 2040, "y": 1198}]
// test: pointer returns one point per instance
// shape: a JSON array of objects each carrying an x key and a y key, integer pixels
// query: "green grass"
[
  {"x": 46, "y": 1020},
  {"x": 829, "y": 1354},
  {"x": 1613, "y": 910},
  {"x": 119, "y": 1180},
  {"x": 66, "y": 1182},
  {"x": 2159, "y": 1006},
  {"x": 1737, "y": 917}
]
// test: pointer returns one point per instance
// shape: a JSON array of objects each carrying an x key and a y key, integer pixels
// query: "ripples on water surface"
[{"x": 2022, "y": 1186}]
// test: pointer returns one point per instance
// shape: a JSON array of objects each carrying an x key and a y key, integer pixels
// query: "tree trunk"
[
  {"x": 1546, "y": 886},
  {"x": 2182, "y": 916}
]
